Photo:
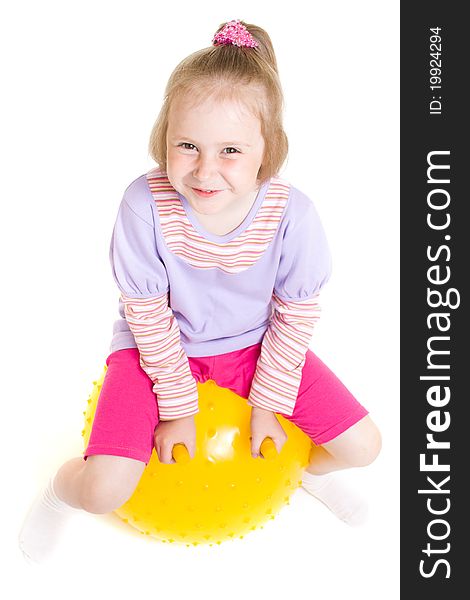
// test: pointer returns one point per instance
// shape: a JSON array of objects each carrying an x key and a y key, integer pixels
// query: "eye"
[
  {"x": 231, "y": 150},
  {"x": 187, "y": 146}
]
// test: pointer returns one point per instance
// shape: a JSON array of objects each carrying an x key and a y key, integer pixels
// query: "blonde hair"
[{"x": 249, "y": 75}]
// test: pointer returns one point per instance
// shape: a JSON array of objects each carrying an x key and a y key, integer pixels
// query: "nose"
[{"x": 204, "y": 169}]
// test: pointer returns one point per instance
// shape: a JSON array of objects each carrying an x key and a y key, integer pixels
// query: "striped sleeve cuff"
[
  {"x": 279, "y": 370},
  {"x": 162, "y": 357}
]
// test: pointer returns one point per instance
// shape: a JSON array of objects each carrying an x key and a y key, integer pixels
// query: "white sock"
[
  {"x": 345, "y": 504},
  {"x": 43, "y": 525}
]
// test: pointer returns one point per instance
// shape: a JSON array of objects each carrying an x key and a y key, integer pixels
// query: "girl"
[{"x": 219, "y": 263}]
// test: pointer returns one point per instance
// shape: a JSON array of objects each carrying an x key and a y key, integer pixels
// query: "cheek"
[
  {"x": 243, "y": 166},
  {"x": 252, "y": 168},
  {"x": 232, "y": 167},
  {"x": 178, "y": 162},
  {"x": 243, "y": 171}
]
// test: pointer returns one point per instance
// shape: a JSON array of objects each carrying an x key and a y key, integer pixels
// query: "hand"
[
  {"x": 169, "y": 433},
  {"x": 264, "y": 424}
]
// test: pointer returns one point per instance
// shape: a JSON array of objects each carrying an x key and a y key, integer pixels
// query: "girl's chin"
[{"x": 206, "y": 208}]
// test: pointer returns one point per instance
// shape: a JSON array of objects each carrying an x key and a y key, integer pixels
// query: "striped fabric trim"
[
  {"x": 230, "y": 257},
  {"x": 162, "y": 357},
  {"x": 279, "y": 370}
]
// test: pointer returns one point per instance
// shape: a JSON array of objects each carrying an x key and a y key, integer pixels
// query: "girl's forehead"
[
  {"x": 232, "y": 106},
  {"x": 246, "y": 99},
  {"x": 225, "y": 113}
]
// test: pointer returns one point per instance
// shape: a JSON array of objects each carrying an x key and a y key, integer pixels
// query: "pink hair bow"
[{"x": 234, "y": 33}]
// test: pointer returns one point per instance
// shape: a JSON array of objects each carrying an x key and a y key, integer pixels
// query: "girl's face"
[{"x": 214, "y": 152}]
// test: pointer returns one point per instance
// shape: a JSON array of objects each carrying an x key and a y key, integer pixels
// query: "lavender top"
[{"x": 217, "y": 312}]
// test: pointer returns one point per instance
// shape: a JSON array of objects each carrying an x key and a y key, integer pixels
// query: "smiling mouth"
[{"x": 206, "y": 193}]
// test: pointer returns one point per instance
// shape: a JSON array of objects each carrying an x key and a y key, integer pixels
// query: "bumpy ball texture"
[{"x": 221, "y": 494}]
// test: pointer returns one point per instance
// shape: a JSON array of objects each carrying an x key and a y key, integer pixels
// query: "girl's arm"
[
  {"x": 162, "y": 357},
  {"x": 279, "y": 370},
  {"x": 142, "y": 279},
  {"x": 304, "y": 268}
]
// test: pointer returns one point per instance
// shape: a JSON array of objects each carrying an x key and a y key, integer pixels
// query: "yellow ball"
[{"x": 223, "y": 492}]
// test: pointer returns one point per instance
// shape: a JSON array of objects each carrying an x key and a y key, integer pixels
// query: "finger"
[
  {"x": 255, "y": 446},
  {"x": 158, "y": 451},
  {"x": 166, "y": 454},
  {"x": 191, "y": 446},
  {"x": 279, "y": 443},
  {"x": 282, "y": 439}
]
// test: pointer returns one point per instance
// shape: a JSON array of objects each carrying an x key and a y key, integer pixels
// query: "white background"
[{"x": 82, "y": 85}]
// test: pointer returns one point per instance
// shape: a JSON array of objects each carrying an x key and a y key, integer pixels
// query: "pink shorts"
[{"x": 127, "y": 412}]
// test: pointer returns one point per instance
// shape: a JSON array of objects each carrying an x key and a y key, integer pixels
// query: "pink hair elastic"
[{"x": 234, "y": 33}]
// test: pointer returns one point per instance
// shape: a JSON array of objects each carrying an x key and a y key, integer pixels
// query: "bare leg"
[
  {"x": 99, "y": 485},
  {"x": 67, "y": 482},
  {"x": 356, "y": 447}
]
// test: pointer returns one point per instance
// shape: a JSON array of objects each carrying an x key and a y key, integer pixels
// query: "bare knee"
[
  {"x": 108, "y": 482},
  {"x": 358, "y": 446},
  {"x": 367, "y": 448},
  {"x": 101, "y": 497}
]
